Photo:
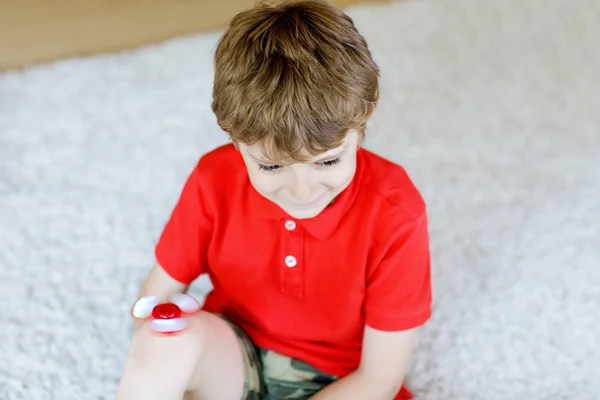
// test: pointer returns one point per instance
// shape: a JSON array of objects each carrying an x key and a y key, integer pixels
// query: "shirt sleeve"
[
  {"x": 398, "y": 292},
  {"x": 182, "y": 246}
]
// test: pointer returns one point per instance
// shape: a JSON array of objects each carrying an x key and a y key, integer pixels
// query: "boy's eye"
[
  {"x": 330, "y": 163},
  {"x": 268, "y": 168},
  {"x": 275, "y": 167}
]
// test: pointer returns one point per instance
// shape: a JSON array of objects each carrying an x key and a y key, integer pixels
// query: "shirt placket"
[{"x": 291, "y": 259}]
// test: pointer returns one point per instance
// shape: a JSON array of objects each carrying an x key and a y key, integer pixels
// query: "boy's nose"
[
  {"x": 302, "y": 188},
  {"x": 302, "y": 192}
]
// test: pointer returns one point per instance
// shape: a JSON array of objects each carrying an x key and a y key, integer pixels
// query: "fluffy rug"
[{"x": 493, "y": 108}]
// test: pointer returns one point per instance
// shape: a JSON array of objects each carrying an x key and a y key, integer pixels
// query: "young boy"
[{"x": 317, "y": 248}]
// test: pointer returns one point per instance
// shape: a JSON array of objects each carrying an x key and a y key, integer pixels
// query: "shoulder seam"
[{"x": 396, "y": 200}]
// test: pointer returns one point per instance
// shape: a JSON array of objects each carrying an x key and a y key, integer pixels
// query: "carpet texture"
[{"x": 492, "y": 106}]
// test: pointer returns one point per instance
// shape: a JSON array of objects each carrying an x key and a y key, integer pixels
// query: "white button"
[
  {"x": 290, "y": 261},
  {"x": 290, "y": 225}
]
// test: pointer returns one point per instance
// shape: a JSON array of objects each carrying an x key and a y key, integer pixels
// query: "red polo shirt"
[{"x": 304, "y": 288}]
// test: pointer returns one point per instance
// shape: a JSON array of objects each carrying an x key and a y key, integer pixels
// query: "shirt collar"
[{"x": 324, "y": 224}]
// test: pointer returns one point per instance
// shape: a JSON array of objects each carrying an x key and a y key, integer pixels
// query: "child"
[{"x": 317, "y": 248}]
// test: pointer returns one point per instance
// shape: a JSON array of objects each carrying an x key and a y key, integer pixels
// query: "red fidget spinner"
[{"x": 166, "y": 317}]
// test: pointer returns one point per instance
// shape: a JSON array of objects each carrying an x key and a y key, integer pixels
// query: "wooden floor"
[{"x": 37, "y": 31}]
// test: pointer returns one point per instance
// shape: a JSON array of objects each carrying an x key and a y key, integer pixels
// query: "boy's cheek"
[
  {"x": 341, "y": 178},
  {"x": 263, "y": 185}
]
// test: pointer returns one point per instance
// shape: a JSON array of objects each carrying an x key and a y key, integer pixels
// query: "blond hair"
[{"x": 293, "y": 77}]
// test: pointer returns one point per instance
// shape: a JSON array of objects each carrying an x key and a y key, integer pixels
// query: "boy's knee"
[
  {"x": 148, "y": 346},
  {"x": 161, "y": 366}
]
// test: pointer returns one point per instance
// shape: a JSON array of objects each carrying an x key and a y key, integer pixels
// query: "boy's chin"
[{"x": 303, "y": 214}]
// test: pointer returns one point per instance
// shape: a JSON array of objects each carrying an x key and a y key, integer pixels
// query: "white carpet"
[{"x": 493, "y": 107}]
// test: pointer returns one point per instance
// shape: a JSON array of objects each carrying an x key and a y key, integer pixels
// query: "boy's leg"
[
  {"x": 206, "y": 361},
  {"x": 287, "y": 378}
]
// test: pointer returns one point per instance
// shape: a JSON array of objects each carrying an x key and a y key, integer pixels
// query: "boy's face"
[{"x": 303, "y": 190}]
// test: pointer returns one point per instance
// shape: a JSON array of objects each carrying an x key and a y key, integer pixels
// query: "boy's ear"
[
  {"x": 233, "y": 141},
  {"x": 361, "y": 137}
]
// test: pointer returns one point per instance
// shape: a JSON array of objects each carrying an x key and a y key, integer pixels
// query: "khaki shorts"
[{"x": 272, "y": 376}]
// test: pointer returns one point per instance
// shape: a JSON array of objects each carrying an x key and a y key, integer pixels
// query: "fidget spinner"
[{"x": 166, "y": 317}]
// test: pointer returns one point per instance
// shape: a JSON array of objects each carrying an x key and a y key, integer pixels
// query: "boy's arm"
[
  {"x": 384, "y": 362},
  {"x": 159, "y": 284},
  {"x": 181, "y": 247},
  {"x": 398, "y": 298}
]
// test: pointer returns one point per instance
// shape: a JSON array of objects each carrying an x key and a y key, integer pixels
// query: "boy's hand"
[
  {"x": 166, "y": 317},
  {"x": 159, "y": 285}
]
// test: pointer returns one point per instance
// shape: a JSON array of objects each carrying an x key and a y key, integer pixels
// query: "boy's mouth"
[{"x": 310, "y": 204}]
